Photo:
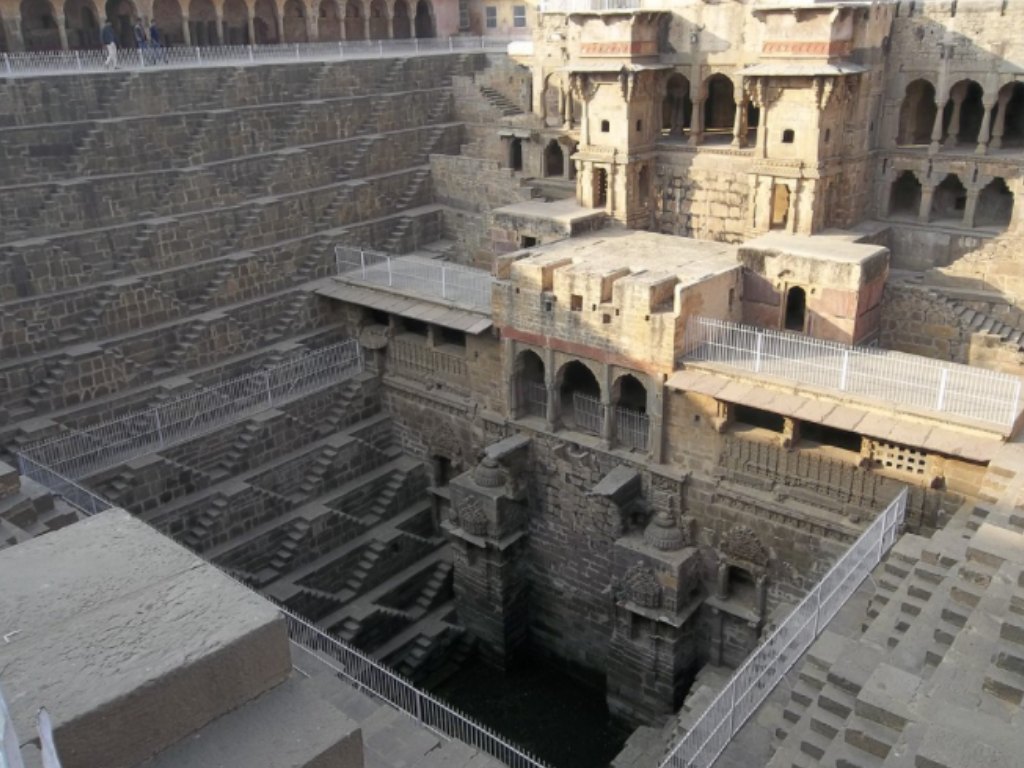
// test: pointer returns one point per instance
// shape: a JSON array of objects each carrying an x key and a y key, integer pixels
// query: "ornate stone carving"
[
  {"x": 642, "y": 587},
  {"x": 472, "y": 518},
  {"x": 742, "y": 544},
  {"x": 663, "y": 534},
  {"x": 489, "y": 473}
]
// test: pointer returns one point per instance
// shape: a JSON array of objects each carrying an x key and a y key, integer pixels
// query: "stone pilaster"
[{"x": 487, "y": 530}]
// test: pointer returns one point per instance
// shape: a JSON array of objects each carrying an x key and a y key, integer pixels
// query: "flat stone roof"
[
  {"x": 650, "y": 257},
  {"x": 831, "y": 248},
  {"x": 105, "y": 619},
  {"x": 464, "y": 320},
  {"x": 563, "y": 211}
]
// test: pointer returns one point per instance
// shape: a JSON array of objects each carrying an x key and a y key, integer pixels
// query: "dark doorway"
[
  {"x": 780, "y": 207},
  {"x": 424, "y": 20},
  {"x": 796, "y": 309},
  {"x": 917, "y": 113},
  {"x": 515, "y": 155},
  {"x": 950, "y": 199},
  {"x": 905, "y": 195},
  {"x": 995, "y": 205},
  {"x": 600, "y": 187},
  {"x": 554, "y": 159}
]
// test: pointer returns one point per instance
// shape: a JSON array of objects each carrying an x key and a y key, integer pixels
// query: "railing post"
[
  {"x": 1014, "y": 403},
  {"x": 159, "y": 427},
  {"x": 419, "y": 706},
  {"x": 297, "y": 57},
  {"x": 362, "y": 262},
  {"x": 757, "y": 353},
  {"x": 940, "y": 400},
  {"x": 416, "y": 44},
  {"x": 199, "y": 56},
  {"x": 78, "y": 61},
  {"x": 389, "y": 272},
  {"x": 451, "y": 44},
  {"x": 270, "y": 394},
  {"x": 380, "y": 48},
  {"x": 250, "y": 53},
  {"x": 444, "y": 294},
  {"x": 846, "y": 368},
  {"x": 7, "y": 64}
]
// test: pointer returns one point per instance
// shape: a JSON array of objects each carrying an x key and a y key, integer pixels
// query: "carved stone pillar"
[
  {"x": 554, "y": 415},
  {"x": 312, "y": 25},
  {"x": 971, "y": 207},
  {"x": 983, "y": 133},
  {"x": 925, "y": 211},
  {"x": 487, "y": 528},
  {"x": 739, "y": 125},
  {"x": 220, "y": 29},
  {"x": 697, "y": 123},
  {"x": 937, "y": 129},
  {"x": 251, "y": 27},
  {"x": 954, "y": 121},
  {"x": 1000, "y": 124},
  {"x": 12, "y": 31},
  {"x": 186, "y": 33},
  {"x": 63, "y": 32}
]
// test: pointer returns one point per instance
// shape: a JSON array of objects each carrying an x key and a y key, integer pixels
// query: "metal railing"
[
  {"x": 182, "y": 57},
  {"x": 416, "y": 275},
  {"x": 584, "y": 6},
  {"x": 757, "y": 677},
  {"x": 533, "y": 398},
  {"x": 587, "y": 413},
  {"x": 343, "y": 659},
  {"x": 10, "y": 747},
  {"x": 909, "y": 380},
  {"x": 85, "y": 452},
  {"x": 632, "y": 428},
  {"x": 415, "y": 358}
]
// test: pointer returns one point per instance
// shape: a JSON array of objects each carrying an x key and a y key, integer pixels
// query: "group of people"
[{"x": 148, "y": 42}]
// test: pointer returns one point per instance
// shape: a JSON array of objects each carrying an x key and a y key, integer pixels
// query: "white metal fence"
[
  {"x": 632, "y": 428},
  {"x": 344, "y": 660},
  {"x": 55, "y": 62},
  {"x": 10, "y": 747},
  {"x": 583, "y": 6},
  {"x": 86, "y": 452},
  {"x": 587, "y": 413},
  {"x": 761, "y": 672},
  {"x": 533, "y": 398},
  {"x": 909, "y": 380},
  {"x": 417, "y": 275}
]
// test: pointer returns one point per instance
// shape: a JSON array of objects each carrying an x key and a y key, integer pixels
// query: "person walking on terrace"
[
  {"x": 154, "y": 43},
  {"x": 139, "y": 33},
  {"x": 110, "y": 43}
]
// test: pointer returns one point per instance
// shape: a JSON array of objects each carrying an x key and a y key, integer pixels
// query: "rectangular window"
[
  {"x": 491, "y": 12},
  {"x": 518, "y": 15},
  {"x": 463, "y": 15}
]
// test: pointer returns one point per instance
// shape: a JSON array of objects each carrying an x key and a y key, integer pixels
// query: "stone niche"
[
  {"x": 486, "y": 526},
  {"x": 828, "y": 288}
]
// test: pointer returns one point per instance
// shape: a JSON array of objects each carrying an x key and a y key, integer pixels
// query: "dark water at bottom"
[{"x": 541, "y": 709}]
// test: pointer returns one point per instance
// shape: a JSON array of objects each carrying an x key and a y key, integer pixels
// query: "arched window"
[
  {"x": 796, "y": 309},
  {"x": 531, "y": 392},
  {"x": 905, "y": 195},
  {"x": 354, "y": 27},
  {"x": 378, "y": 20},
  {"x": 1009, "y": 128},
  {"x": 328, "y": 27},
  {"x": 236, "y": 23},
  {"x": 424, "y": 19},
  {"x": 580, "y": 398},
  {"x": 632, "y": 427},
  {"x": 720, "y": 107},
  {"x": 962, "y": 125},
  {"x": 38, "y": 26},
  {"x": 554, "y": 160},
  {"x": 676, "y": 109},
  {"x": 294, "y": 22},
  {"x": 949, "y": 200},
  {"x": 402, "y": 28},
  {"x": 995, "y": 205},
  {"x": 265, "y": 23},
  {"x": 81, "y": 24},
  {"x": 917, "y": 113},
  {"x": 202, "y": 22}
]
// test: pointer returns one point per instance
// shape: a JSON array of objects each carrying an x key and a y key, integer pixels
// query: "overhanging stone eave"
[
  {"x": 457, "y": 317},
  {"x": 935, "y": 432}
]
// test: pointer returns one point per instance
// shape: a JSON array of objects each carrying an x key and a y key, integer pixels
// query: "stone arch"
[
  {"x": 401, "y": 26},
  {"x": 236, "y": 23},
  {"x": 963, "y": 113},
  {"x": 355, "y": 27},
  {"x": 39, "y": 29},
  {"x": 1010, "y": 125},
  {"x": 677, "y": 107},
  {"x": 530, "y": 387},
  {"x": 719, "y": 106},
  {"x": 424, "y": 22},
  {"x": 905, "y": 195},
  {"x": 378, "y": 20},
  {"x": 83, "y": 28},
  {"x": 122, "y": 15},
  {"x": 995, "y": 205},
  {"x": 329, "y": 22},
  {"x": 554, "y": 159},
  {"x": 264, "y": 23},
  {"x": 917, "y": 113},
  {"x": 202, "y": 22},
  {"x": 795, "y": 318},
  {"x": 629, "y": 392},
  {"x": 949, "y": 200},
  {"x": 293, "y": 19},
  {"x": 579, "y": 397},
  {"x": 167, "y": 17}
]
